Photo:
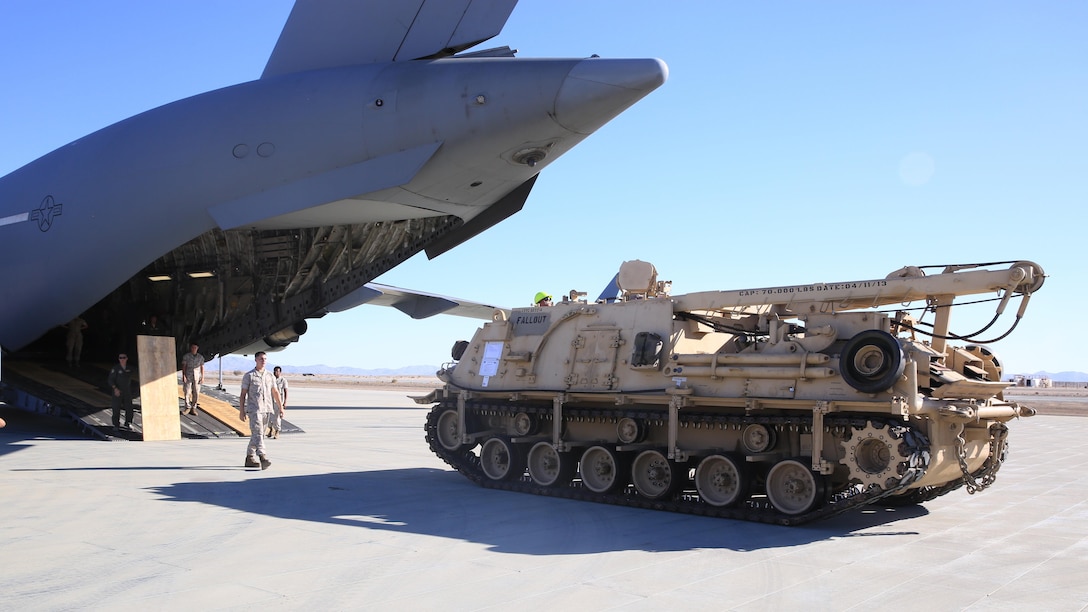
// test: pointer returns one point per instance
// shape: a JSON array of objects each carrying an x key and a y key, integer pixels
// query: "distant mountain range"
[
  {"x": 1061, "y": 376},
  {"x": 244, "y": 364},
  {"x": 232, "y": 363}
]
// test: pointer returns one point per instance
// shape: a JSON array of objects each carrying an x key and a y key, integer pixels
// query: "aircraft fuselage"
[{"x": 354, "y": 145}]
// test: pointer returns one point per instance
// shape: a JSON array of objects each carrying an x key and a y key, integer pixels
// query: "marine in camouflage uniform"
[
  {"x": 192, "y": 374},
  {"x": 256, "y": 402},
  {"x": 275, "y": 423}
]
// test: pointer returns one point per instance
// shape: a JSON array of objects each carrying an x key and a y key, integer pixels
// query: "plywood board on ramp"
[{"x": 158, "y": 388}]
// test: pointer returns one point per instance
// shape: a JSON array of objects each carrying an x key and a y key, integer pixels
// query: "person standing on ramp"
[
  {"x": 120, "y": 382},
  {"x": 192, "y": 375}
]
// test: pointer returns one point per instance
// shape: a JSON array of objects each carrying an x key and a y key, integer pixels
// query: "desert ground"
[
  {"x": 1056, "y": 401},
  {"x": 415, "y": 383}
]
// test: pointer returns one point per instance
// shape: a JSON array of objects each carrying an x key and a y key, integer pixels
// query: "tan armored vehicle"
[{"x": 782, "y": 404}]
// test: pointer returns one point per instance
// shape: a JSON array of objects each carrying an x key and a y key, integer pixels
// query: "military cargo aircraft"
[{"x": 372, "y": 135}]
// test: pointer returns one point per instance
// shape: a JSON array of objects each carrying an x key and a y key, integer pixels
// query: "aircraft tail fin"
[
  {"x": 331, "y": 33},
  {"x": 611, "y": 290}
]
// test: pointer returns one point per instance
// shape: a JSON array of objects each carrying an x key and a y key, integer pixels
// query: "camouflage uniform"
[
  {"x": 191, "y": 366},
  {"x": 259, "y": 386},
  {"x": 275, "y": 422}
]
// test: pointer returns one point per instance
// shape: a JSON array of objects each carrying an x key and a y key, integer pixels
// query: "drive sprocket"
[{"x": 874, "y": 455}]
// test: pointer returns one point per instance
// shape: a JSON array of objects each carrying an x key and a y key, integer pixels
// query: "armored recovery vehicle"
[{"x": 783, "y": 404}]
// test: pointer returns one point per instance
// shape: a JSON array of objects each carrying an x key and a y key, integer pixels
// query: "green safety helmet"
[{"x": 540, "y": 295}]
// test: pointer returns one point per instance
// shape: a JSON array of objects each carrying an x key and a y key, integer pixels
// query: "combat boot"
[
  {"x": 265, "y": 462},
  {"x": 252, "y": 462}
]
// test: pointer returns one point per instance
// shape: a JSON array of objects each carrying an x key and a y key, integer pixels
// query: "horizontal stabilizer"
[
  {"x": 423, "y": 306},
  {"x": 331, "y": 33},
  {"x": 415, "y": 304}
]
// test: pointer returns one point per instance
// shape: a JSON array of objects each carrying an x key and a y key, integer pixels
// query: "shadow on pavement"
[
  {"x": 22, "y": 426},
  {"x": 441, "y": 503}
]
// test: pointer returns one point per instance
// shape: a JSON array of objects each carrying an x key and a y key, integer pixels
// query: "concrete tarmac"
[{"x": 358, "y": 514}]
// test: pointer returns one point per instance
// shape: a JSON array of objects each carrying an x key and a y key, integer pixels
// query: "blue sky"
[{"x": 794, "y": 142}]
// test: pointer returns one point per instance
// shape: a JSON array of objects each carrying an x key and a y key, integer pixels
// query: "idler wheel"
[
  {"x": 448, "y": 431},
  {"x": 549, "y": 467},
  {"x": 721, "y": 480},
  {"x": 500, "y": 459},
  {"x": 603, "y": 470},
  {"x": 792, "y": 487},
  {"x": 655, "y": 476}
]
